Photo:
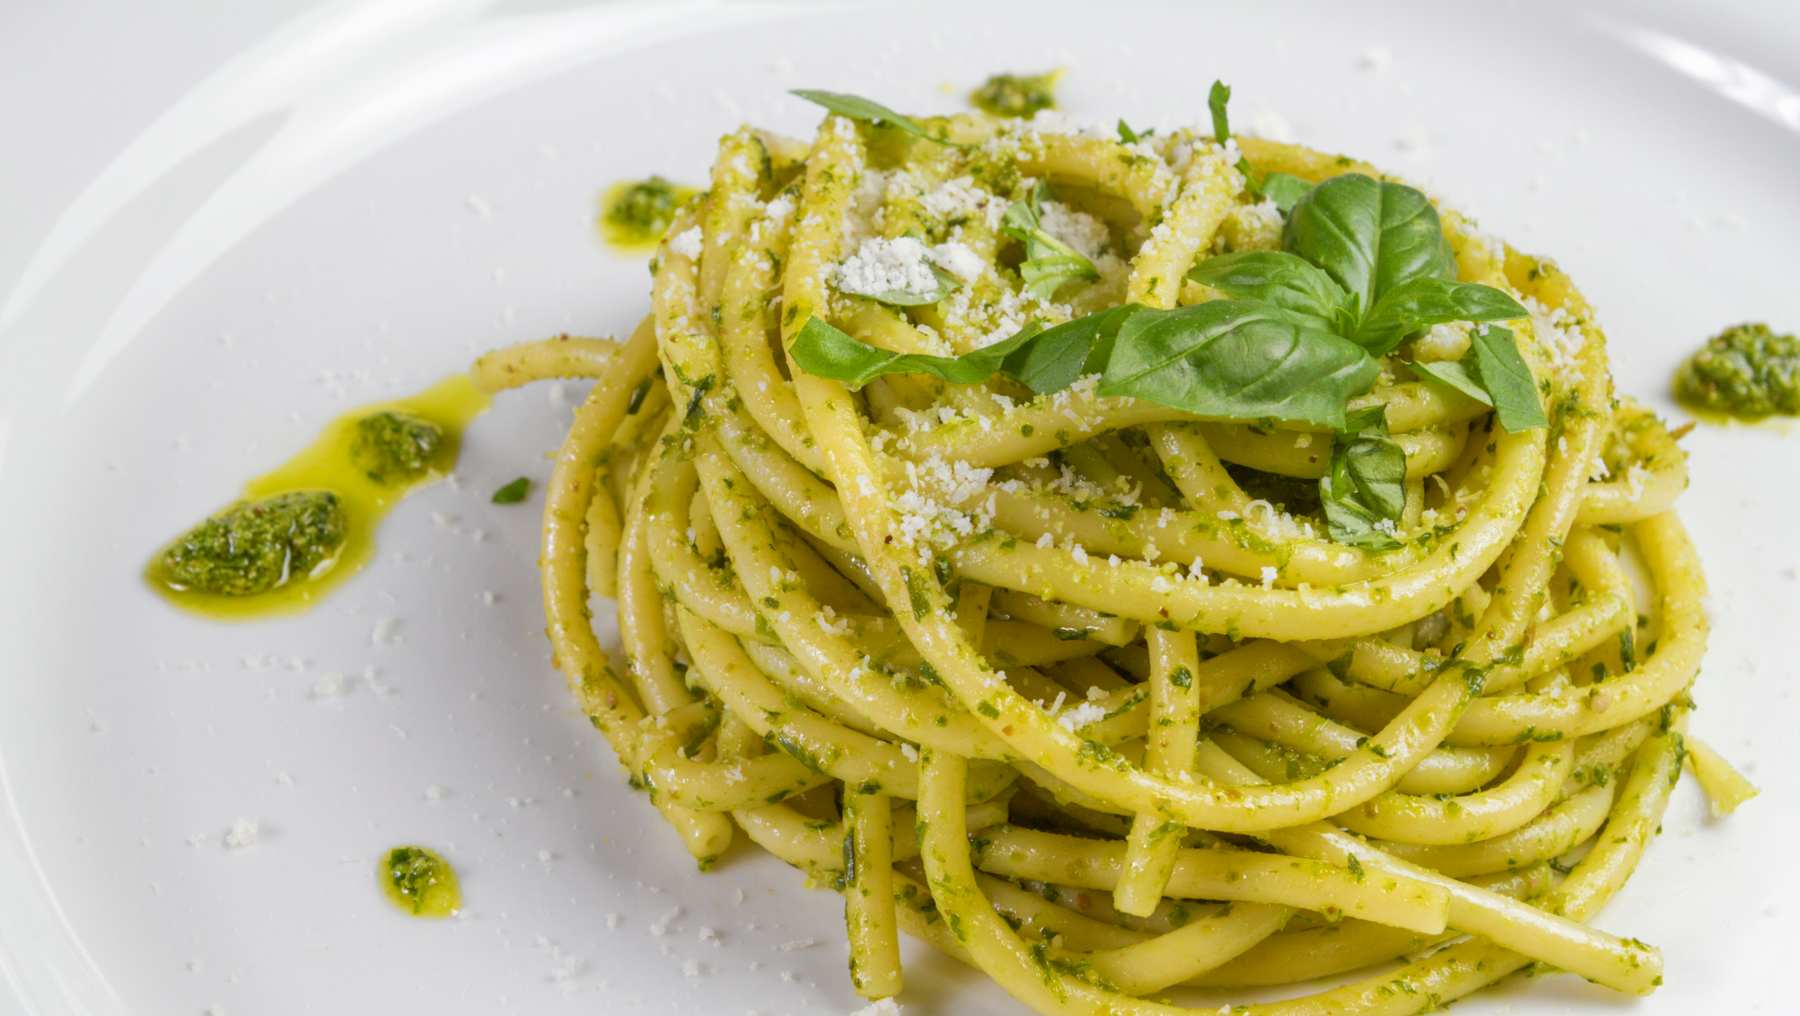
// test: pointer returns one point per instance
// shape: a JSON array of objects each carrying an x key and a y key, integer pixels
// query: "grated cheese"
[
  {"x": 1076, "y": 228},
  {"x": 880, "y": 265},
  {"x": 1082, "y": 715},
  {"x": 687, "y": 243}
]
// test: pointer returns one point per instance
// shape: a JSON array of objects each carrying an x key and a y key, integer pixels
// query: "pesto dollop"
[
  {"x": 420, "y": 882},
  {"x": 392, "y": 445},
  {"x": 1017, "y": 95},
  {"x": 1746, "y": 370},
  {"x": 255, "y": 546},
  {"x": 644, "y": 207}
]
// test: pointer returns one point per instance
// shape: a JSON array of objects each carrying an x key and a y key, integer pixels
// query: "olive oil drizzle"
[{"x": 327, "y": 463}]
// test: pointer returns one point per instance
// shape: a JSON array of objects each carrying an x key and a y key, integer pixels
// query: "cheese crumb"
[
  {"x": 686, "y": 244},
  {"x": 1082, "y": 715},
  {"x": 661, "y": 926},
  {"x": 243, "y": 833},
  {"x": 957, "y": 259},
  {"x": 1076, "y": 228},
  {"x": 880, "y": 265}
]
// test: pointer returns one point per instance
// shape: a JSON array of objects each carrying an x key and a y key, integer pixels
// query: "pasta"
[{"x": 1153, "y": 723}]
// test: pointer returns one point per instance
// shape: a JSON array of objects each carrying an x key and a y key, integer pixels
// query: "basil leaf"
[
  {"x": 901, "y": 298},
  {"x": 1044, "y": 276},
  {"x": 1369, "y": 235},
  {"x": 869, "y": 111},
  {"x": 1285, "y": 189},
  {"x": 1049, "y": 262},
  {"x": 1282, "y": 280},
  {"x": 1232, "y": 359},
  {"x": 1364, "y": 490},
  {"x": 1054, "y": 358},
  {"x": 1494, "y": 354},
  {"x": 513, "y": 492},
  {"x": 1127, "y": 135},
  {"x": 1454, "y": 375},
  {"x": 826, "y": 351},
  {"x": 1428, "y": 300}
]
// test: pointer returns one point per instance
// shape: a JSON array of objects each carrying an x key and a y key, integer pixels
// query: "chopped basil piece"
[
  {"x": 513, "y": 492},
  {"x": 1049, "y": 262},
  {"x": 1364, "y": 489}
]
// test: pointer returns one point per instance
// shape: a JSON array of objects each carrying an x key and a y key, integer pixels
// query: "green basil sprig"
[
  {"x": 827, "y": 351},
  {"x": 1367, "y": 260},
  {"x": 1042, "y": 359},
  {"x": 1049, "y": 262},
  {"x": 1494, "y": 374},
  {"x": 1226, "y": 359},
  {"x": 1364, "y": 490},
  {"x": 869, "y": 111},
  {"x": 1370, "y": 236}
]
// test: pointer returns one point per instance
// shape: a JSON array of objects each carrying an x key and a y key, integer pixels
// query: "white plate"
[{"x": 223, "y": 228}]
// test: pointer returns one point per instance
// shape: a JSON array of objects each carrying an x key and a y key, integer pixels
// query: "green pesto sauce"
[
  {"x": 1018, "y": 95},
  {"x": 1745, "y": 372},
  {"x": 634, "y": 214},
  {"x": 392, "y": 446},
  {"x": 310, "y": 523},
  {"x": 419, "y": 881},
  {"x": 255, "y": 546}
]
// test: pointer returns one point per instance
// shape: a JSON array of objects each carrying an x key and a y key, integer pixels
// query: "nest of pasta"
[{"x": 1088, "y": 690}]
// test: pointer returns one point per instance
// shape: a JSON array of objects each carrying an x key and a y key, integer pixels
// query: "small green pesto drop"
[
  {"x": 1018, "y": 95},
  {"x": 1746, "y": 371},
  {"x": 391, "y": 445},
  {"x": 420, "y": 882},
  {"x": 255, "y": 546},
  {"x": 635, "y": 214}
]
